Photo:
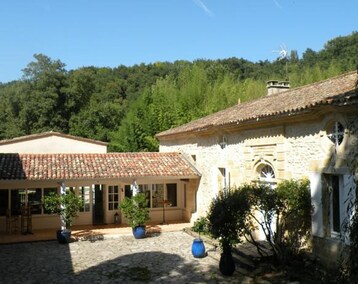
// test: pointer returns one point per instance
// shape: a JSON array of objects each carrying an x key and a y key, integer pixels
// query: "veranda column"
[{"x": 63, "y": 191}]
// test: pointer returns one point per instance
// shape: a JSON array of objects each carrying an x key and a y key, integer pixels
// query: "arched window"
[
  {"x": 335, "y": 132},
  {"x": 266, "y": 175}
]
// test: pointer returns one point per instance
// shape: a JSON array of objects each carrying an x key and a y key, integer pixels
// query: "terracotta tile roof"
[
  {"x": 94, "y": 166},
  {"x": 48, "y": 134},
  {"x": 340, "y": 89}
]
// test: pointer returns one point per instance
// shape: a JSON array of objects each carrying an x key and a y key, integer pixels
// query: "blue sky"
[{"x": 109, "y": 33}]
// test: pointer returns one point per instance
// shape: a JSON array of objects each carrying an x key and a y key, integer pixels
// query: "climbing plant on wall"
[{"x": 350, "y": 262}]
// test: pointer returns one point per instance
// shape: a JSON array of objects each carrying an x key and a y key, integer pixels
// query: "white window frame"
[
  {"x": 268, "y": 178},
  {"x": 144, "y": 187},
  {"x": 225, "y": 180},
  {"x": 114, "y": 208}
]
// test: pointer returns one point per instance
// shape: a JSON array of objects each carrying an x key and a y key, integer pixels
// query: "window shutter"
[{"x": 316, "y": 197}]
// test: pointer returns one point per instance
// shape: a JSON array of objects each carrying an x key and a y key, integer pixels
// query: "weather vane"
[{"x": 283, "y": 55}]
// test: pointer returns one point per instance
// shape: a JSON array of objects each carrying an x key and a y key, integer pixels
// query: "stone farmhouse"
[{"x": 310, "y": 131}]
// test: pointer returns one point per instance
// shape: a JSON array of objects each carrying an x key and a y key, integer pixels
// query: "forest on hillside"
[{"x": 127, "y": 106}]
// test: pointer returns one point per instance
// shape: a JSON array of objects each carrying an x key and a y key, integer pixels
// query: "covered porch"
[
  {"x": 169, "y": 181},
  {"x": 91, "y": 233}
]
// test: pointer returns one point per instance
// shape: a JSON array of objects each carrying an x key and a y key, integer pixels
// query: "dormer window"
[{"x": 335, "y": 132}]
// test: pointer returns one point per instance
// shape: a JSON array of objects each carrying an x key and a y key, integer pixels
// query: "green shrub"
[
  {"x": 201, "y": 225},
  {"x": 295, "y": 208},
  {"x": 227, "y": 216},
  {"x": 288, "y": 206},
  {"x": 65, "y": 205},
  {"x": 135, "y": 209}
]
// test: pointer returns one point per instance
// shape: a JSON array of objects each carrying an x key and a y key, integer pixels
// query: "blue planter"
[
  {"x": 63, "y": 236},
  {"x": 139, "y": 232},
  {"x": 198, "y": 248}
]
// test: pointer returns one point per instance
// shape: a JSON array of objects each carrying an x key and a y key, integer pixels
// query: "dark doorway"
[{"x": 98, "y": 206}]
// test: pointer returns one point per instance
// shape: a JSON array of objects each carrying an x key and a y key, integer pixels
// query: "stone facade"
[
  {"x": 293, "y": 151},
  {"x": 315, "y": 142},
  {"x": 297, "y": 150}
]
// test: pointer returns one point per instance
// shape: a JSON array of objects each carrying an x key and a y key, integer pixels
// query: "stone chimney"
[{"x": 274, "y": 87}]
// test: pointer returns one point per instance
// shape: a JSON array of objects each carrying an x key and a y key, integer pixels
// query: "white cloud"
[{"x": 201, "y": 5}]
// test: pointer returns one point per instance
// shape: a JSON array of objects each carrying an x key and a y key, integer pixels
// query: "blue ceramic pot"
[
  {"x": 63, "y": 236},
  {"x": 139, "y": 232},
  {"x": 198, "y": 248}
]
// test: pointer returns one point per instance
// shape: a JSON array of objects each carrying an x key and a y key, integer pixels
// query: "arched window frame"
[
  {"x": 266, "y": 174},
  {"x": 335, "y": 131}
]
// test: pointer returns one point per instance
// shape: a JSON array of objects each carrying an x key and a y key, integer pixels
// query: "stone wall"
[
  {"x": 294, "y": 150},
  {"x": 287, "y": 149}
]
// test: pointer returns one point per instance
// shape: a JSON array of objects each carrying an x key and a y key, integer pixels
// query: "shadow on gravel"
[
  {"x": 50, "y": 262},
  {"x": 38, "y": 262},
  {"x": 149, "y": 267}
]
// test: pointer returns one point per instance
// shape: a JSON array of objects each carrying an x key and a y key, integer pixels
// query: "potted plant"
[
  {"x": 198, "y": 247},
  {"x": 136, "y": 210},
  {"x": 226, "y": 224},
  {"x": 67, "y": 206}
]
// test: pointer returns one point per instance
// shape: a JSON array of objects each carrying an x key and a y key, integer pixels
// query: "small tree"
[
  {"x": 201, "y": 226},
  {"x": 283, "y": 214},
  {"x": 294, "y": 214},
  {"x": 263, "y": 204},
  {"x": 135, "y": 209},
  {"x": 227, "y": 216},
  {"x": 65, "y": 205}
]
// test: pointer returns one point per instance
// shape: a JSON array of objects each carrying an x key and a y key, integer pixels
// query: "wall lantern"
[{"x": 223, "y": 142}]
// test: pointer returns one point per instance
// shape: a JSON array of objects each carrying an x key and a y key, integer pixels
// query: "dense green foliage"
[
  {"x": 201, "y": 225},
  {"x": 283, "y": 215},
  {"x": 294, "y": 219},
  {"x": 353, "y": 224},
  {"x": 135, "y": 209},
  {"x": 227, "y": 214},
  {"x": 65, "y": 205},
  {"x": 349, "y": 262},
  {"x": 127, "y": 106}
]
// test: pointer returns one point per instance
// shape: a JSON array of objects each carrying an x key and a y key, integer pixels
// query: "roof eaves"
[{"x": 192, "y": 166}]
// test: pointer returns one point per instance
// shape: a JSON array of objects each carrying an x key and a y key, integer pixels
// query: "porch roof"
[{"x": 94, "y": 166}]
